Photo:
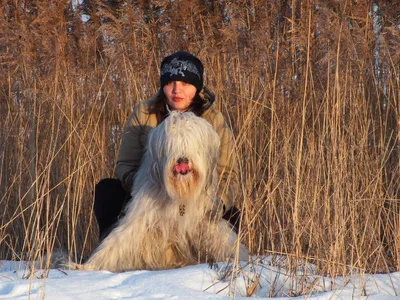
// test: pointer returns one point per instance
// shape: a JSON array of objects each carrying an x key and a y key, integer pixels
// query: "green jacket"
[{"x": 134, "y": 138}]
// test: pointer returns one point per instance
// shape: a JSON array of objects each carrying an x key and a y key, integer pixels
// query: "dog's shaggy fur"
[{"x": 168, "y": 222}]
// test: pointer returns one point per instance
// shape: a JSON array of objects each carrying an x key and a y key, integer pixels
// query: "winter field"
[{"x": 262, "y": 280}]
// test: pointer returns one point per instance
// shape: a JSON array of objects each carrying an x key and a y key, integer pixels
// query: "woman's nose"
[{"x": 176, "y": 86}]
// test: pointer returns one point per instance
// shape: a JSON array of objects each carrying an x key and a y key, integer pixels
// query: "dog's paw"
[{"x": 79, "y": 267}]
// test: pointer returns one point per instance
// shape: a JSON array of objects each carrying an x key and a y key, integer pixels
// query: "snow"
[{"x": 193, "y": 282}]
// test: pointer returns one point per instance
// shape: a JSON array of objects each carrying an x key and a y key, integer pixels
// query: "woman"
[{"x": 181, "y": 79}]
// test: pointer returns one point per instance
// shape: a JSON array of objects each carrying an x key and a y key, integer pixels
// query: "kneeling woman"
[{"x": 181, "y": 89}]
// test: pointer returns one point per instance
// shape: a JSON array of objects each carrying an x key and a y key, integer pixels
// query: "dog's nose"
[
  {"x": 182, "y": 160},
  {"x": 182, "y": 166}
]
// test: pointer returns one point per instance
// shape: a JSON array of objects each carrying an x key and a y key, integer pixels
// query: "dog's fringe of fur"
[{"x": 153, "y": 234}]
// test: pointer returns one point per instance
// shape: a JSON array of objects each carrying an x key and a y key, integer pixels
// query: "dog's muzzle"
[{"x": 182, "y": 166}]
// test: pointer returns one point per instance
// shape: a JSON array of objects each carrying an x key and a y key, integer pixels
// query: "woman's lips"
[{"x": 177, "y": 99}]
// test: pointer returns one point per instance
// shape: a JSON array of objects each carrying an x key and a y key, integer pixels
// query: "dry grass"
[{"x": 311, "y": 92}]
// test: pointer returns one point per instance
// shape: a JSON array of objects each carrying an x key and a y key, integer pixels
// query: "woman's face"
[{"x": 179, "y": 95}]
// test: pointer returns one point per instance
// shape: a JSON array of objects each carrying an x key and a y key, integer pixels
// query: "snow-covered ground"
[{"x": 193, "y": 282}]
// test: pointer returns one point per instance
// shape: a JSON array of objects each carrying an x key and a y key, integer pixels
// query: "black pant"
[{"x": 110, "y": 198}]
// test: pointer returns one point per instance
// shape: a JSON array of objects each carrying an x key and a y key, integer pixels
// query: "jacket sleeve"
[
  {"x": 131, "y": 150},
  {"x": 227, "y": 167}
]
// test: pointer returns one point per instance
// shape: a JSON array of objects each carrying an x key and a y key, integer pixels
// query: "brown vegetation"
[{"x": 311, "y": 91}]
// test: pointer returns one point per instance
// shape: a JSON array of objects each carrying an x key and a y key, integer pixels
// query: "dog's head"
[{"x": 184, "y": 150}]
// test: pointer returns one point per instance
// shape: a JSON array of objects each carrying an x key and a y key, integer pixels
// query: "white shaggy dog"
[{"x": 168, "y": 222}]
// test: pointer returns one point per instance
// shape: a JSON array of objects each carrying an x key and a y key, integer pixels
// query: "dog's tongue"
[{"x": 182, "y": 168}]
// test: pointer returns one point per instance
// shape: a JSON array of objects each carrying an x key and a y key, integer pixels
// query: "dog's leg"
[
  {"x": 115, "y": 252},
  {"x": 223, "y": 242},
  {"x": 170, "y": 257}
]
